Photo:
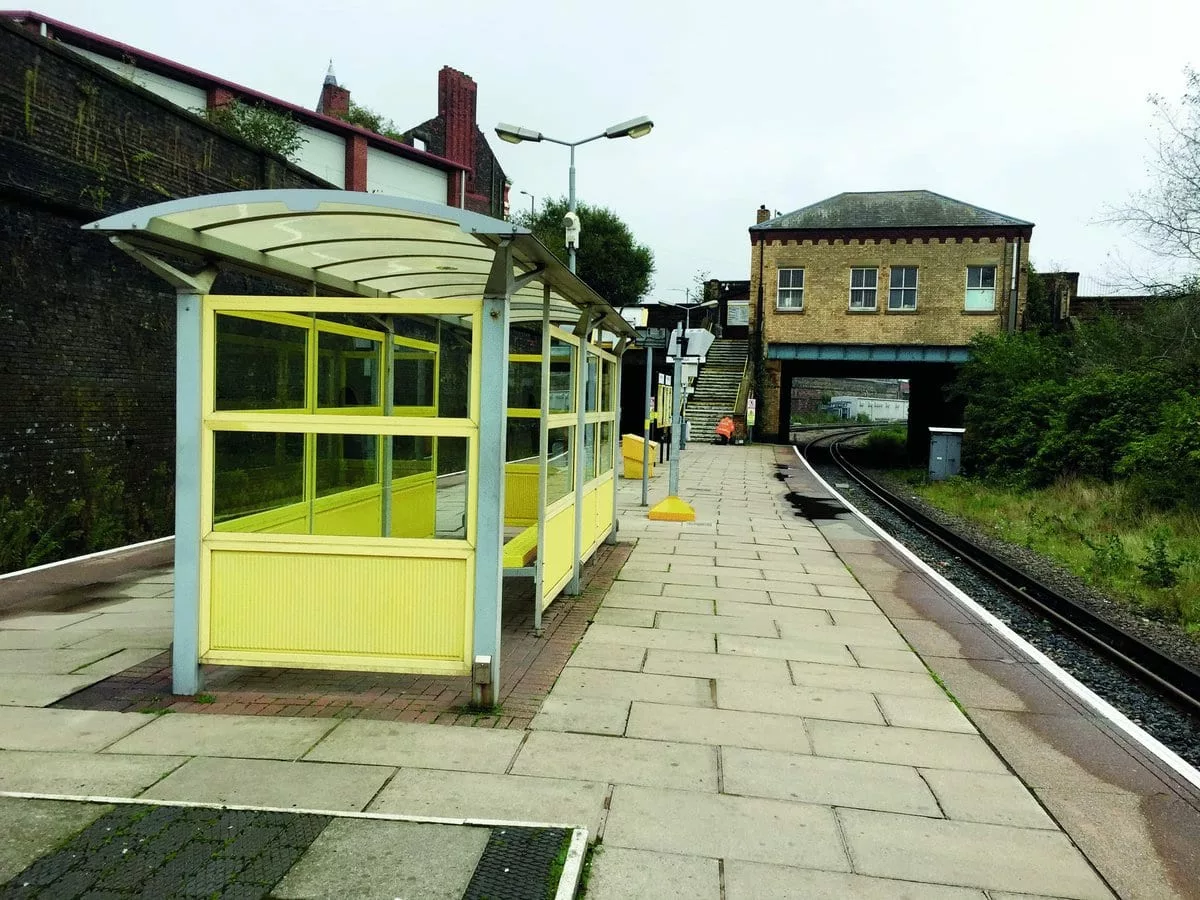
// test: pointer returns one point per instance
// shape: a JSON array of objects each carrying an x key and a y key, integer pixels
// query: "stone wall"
[{"x": 87, "y": 337}]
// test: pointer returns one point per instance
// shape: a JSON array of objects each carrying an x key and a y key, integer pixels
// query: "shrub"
[{"x": 1163, "y": 467}]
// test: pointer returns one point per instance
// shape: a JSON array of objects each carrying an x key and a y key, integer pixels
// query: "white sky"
[{"x": 1033, "y": 108}]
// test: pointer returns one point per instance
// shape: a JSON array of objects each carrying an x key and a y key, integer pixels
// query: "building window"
[
  {"x": 791, "y": 289},
  {"x": 981, "y": 288},
  {"x": 902, "y": 289},
  {"x": 862, "y": 288}
]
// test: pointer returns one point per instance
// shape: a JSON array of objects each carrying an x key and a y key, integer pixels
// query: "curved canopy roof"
[{"x": 364, "y": 245}]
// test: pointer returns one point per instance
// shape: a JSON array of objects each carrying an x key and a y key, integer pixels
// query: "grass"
[
  {"x": 556, "y": 867},
  {"x": 1151, "y": 560},
  {"x": 585, "y": 874}
]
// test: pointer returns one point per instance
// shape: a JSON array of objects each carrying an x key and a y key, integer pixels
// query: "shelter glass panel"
[
  {"x": 589, "y": 451},
  {"x": 522, "y": 443},
  {"x": 345, "y": 461},
  {"x": 592, "y": 386},
  {"x": 347, "y": 370},
  {"x": 524, "y": 385},
  {"x": 260, "y": 364},
  {"x": 605, "y": 456},
  {"x": 258, "y": 476},
  {"x": 560, "y": 477},
  {"x": 414, "y": 378},
  {"x": 562, "y": 377},
  {"x": 454, "y": 376},
  {"x": 607, "y": 383}
]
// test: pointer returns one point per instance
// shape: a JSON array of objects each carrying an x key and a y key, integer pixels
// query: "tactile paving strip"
[
  {"x": 519, "y": 864},
  {"x": 164, "y": 851}
]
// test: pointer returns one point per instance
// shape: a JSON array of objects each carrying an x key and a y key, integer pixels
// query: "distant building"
[{"x": 456, "y": 166}]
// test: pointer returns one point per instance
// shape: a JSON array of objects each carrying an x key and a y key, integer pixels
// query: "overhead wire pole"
[
  {"x": 674, "y": 509},
  {"x": 646, "y": 427}
]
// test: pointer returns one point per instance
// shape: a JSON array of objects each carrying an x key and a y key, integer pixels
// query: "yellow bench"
[{"x": 522, "y": 550}]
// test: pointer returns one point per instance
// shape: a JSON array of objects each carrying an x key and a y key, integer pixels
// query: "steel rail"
[{"x": 1179, "y": 681}]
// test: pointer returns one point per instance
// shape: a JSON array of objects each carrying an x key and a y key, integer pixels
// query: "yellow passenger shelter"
[{"x": 359, "y": 463}]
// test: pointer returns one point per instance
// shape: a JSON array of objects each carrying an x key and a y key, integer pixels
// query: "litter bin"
[
  {"x": 631, "y": 455},
  {"x": 945, "y": 450}
]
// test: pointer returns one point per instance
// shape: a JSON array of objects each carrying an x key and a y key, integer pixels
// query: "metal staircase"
[{"x": 716, "y": 389}]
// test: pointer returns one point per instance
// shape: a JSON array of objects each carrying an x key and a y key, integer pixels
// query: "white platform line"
[
  {"x": 99, "y": 554},
  {"x": 1081, "y": 691}
]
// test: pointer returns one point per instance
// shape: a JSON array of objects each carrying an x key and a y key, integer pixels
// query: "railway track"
[{"x": 1177, "y": 682}]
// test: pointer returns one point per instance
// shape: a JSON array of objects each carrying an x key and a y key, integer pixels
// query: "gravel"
[{"x": 1176, "y": 729}]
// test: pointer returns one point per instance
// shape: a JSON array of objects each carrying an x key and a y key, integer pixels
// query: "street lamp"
[
  {"x": 532, "y": 202},
  {"x": 515, "y": 134}
]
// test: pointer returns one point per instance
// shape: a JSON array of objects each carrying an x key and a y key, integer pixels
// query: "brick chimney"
[
  {"x": 763, "y": 215},
  {"x": 335, "y": 100},
  {"x": 456, "y": 108}
]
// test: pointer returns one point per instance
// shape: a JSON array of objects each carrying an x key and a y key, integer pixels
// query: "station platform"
[{"x": 769, "y": 702}]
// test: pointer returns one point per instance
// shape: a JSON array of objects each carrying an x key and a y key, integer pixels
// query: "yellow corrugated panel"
[
  {"x": 273, "y": 605},
  {"x": 560, "y": 545},
  {"x": 521, "y": 494},
  {"x": 604, "y": 507}
]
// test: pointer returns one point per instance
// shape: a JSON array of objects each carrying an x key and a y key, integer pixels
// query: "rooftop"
[{"x": 889, "y": 209}]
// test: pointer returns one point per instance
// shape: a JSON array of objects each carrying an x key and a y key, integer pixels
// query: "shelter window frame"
[
  {"x": 864, "y": 287},
  {"x": 981, "y": 289},
  {"x": 378, "y": 434}
]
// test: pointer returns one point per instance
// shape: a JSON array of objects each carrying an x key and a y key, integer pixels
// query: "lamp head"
[
  {"x": 634, "y": 128},
  {"x": 515, "y": 134}
]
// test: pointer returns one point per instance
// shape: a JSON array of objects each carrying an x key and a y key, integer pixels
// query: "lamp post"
[
  {"x": 532, "y": 202},
  {"x": 515, "y": 134}
]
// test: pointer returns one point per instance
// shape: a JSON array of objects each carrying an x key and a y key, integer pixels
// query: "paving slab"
[
  {"x": 663, "y": 638},
  {"x": 622, "y": 657},
  {"x": 269, "y": 782},
  {"x": 41, "y": 690},
  {"x": 829, "y": 782},
  {"x": 785, "y": 648},
  {"x": 586, "y": 716},
  {"x": 717, "y": 665},
  {"x": 856, "y": 678},
  {"x": 843, "y": 634},
  {"x": 789, "y": 700},
  {"x": 793, "y": 615},
  {"x": 252, "y": 737},
  {"x": 634, "y": 588},
  {"x": 115, "y": 663},
  {"x": 693, "y": 605},
  {"x": 969, "y": 854},
  {"x": 738, "y": 595},
  {"x": 689, "y": 767},
  {"x": 68, "y": 730},
  {"x": 515, "y": 798},
  {"x": 629, "y": 574},
  {"x": 718, "y": 727},
  {"x": 13, "y": 639},
  {"x": 816, "y": 601},
  {"x": 954, "y": 639},
  {"x": 619, "y": 874},
  {"x": 45, "y": 662},
  {"x": 610, "y": 685},
  {"x": 112, "y": 641},
  {"x": 980, "y": 797},
  {"x": 760, "y": 881},
  {"x": 33, "y": 828},
  {"x": 424, "y": 746},
  {"x": 615, "y": 615},
  {"x": 45, "y": 621},
  {"x": 385, "y": 860},
  {"x": 885, "y": 658},
  {"x": 82, "y": 774},
  {"x": 904, "y": 746},
  {"x": 718, "y": 624},
  {"x": 720, "y": 826},
  {"x": 921, "y": 712}
]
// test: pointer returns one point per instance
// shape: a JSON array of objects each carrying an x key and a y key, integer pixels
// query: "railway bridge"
[{"x": 889, "y": 284}]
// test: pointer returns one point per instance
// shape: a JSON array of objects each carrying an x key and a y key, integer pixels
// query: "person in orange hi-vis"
[{"x": 725, "y": 430}]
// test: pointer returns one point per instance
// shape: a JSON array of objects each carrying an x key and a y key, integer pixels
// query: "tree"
[
  {"x": 365, "y": 117},
  {"x": 261, "y": 126},
  {"x": 609, "y": 258},
  {"x": 1168, "y": 212}
]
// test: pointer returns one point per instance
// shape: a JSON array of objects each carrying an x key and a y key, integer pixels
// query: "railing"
[{"x": 743, "y": 394}]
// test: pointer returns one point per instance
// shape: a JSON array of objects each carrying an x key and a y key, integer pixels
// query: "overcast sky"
[{"x": 1033, "y": 108}]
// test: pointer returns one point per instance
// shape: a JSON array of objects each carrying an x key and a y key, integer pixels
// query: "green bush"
[{"x": 1163, "y": 467}]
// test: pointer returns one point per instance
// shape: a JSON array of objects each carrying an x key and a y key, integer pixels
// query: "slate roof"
[{"x": 889, "y": 209}]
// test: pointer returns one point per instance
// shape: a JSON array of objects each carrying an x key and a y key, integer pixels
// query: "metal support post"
[
  {"x": 489, "y": 531},
  {"x": 543, "y": 464},
  {"x": 614, "y": 433},
  {"x": 646, "y": 428},
  {"x": 388, "y": 390},
  {"x": 571, "y": 208},
  {"x": 574, "y": 588},
  {"x": 676, "y": 419},
  {"x": 186, "y": 678}
]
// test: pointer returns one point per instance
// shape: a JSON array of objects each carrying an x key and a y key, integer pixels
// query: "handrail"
[{"x": 739, "y": 405}]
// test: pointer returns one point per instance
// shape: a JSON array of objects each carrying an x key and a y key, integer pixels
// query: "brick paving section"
[{"x": 529, "y": 667}]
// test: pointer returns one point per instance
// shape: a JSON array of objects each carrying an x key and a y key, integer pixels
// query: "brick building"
[{"x": 883, "y": 284}]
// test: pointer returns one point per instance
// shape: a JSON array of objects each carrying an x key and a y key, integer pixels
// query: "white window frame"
[
  {"x": 904, "y": 289},
  {"x": 791, "y": 292},
  {"x": 973, "y": 299},
  {"x": 873, "y": 288}
]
